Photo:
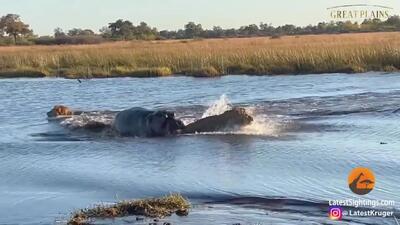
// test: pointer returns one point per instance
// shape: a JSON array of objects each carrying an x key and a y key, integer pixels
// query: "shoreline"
[{"x": 35, "y": 75}]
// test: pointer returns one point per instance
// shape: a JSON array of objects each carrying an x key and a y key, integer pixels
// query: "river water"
[{"x": 309, "y": 132}]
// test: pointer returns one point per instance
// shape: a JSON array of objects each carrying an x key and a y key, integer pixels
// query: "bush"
[
  {"x": 45, "y": 40},
  {"x": 141, "y": 72},
  {"x": 4, "y": 41},
  {"x": 70, "y": 40},
  {"x": 241, "y": 68},
  {"x": 276, "y": 36},
  {"x": 208, "y": 71},
  {"x": 28, "y": 73}
]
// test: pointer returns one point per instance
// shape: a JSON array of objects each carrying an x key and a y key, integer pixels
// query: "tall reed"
[{"x": 254, "y": 56}]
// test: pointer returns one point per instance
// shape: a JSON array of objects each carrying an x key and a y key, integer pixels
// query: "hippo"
[{"x": 140, "y": 122}]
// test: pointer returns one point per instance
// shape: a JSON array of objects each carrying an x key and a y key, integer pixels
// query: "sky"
[{"x": 45, "y": 15}]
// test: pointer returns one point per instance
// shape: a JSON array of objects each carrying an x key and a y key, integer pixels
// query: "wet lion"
[
  {"x": 230, "y": 119},
  {"x": 60, "y": 111}
]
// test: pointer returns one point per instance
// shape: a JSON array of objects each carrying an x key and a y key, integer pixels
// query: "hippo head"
[
  {"x": 238, "y": 116},
  {"x": 59, "y": 110},
  {"x": 163, "y": 123}
]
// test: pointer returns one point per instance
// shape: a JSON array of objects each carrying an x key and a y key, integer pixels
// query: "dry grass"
[
  {"x": 154, "y": 207},
  {"x": 211, "y": 57}
]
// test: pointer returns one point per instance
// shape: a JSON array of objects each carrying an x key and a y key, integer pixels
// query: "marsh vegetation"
[
  {"x": 310, "y": 54},
  {"x": 153, "y": 207}
]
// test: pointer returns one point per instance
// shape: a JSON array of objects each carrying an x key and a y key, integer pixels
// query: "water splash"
[
  {"x": 218, "y": 107},
  {"x": 261, "y": 126},
  {"x": 80, "y": 121}
]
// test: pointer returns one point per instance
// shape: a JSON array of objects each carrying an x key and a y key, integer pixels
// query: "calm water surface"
[{"x": 310, "y": 132}]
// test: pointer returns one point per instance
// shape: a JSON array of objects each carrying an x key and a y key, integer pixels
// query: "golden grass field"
[{"x": 306, "y": 54}]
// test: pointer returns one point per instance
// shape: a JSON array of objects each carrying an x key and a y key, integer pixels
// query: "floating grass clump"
[
  {"x": 310, "y": 54},
  {"x": 152, "y": 207}
]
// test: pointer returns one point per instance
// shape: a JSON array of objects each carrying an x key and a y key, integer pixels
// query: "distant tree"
[
  {"x": 87, "y": 32},
  {"x": 74, "y": 32},
  {"x": 13, "y": 26},
  {"x": 231, "y": 32},
  {"x": 143, "y": 28},
  {"x": 250, "y": 30},
  {"x": 193, "y": 30},
  {"x": 105, "y": 32},
  {"x": 218, "y": 31},
  {"x": 372, "y": 25},
  {"x": 122, "y": 29},
  {"x": 2, "y": 28},
  {"x": 58, "y": 32},
  {"x": 289, "y": 29},
  {"x": 322, "y": 27},
  {"x": 80, "y": 32},
  {"x": 181, "y": 34},
  {"x": 266, "y": 29},
  {"x": 393, "y": 21},
  {"x": 143, "y": 31},
  {"x": 165, "y": 34},
  {"x": 348, "y": 26}
]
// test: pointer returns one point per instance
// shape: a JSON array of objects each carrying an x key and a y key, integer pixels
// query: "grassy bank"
[
  {"x": 153, "y": 207},
  {"x": 347, "y": 53}
]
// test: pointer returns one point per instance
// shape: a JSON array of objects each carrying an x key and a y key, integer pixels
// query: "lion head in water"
[{"x": 59, "y": 111}]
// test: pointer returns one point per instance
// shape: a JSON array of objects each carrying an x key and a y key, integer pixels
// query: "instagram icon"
[{"x": 335, "y": 213}]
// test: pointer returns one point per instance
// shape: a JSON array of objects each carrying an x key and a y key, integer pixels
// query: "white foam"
[
  {"x": 218, "y": 107},
  {"x": 262, "y": 125},
  {"x": 80, "y": 121}
]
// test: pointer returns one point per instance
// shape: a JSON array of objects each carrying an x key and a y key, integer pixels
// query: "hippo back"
[
  {"x": 132, "y": 122},
  {"x": 141, "y": 122}
]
